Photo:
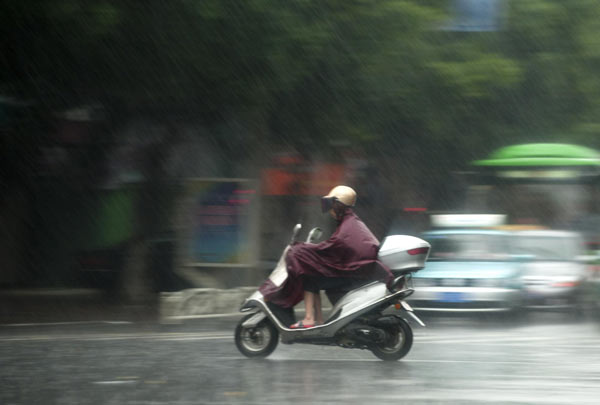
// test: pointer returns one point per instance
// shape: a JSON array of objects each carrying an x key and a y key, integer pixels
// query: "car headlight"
[{"x": 423, "y": 282}]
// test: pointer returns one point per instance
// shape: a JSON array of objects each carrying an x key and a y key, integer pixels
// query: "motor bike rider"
[{"x": 347, "y": 257}]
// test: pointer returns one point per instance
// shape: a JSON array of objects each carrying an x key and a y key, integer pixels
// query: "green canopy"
[{"x": 542, "y": 154}]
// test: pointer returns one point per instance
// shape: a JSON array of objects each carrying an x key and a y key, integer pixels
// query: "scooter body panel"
[
  {"x": 361, "y": 307},
  {"x": 354, "y": 304}
]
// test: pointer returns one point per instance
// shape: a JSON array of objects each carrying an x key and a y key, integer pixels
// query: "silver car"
[
  {"x": 554, "y": 271},
  {"x": 468, "y": 270}
]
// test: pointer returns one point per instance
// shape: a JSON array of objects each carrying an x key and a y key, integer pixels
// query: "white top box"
[{"x": 403, "y": 252}]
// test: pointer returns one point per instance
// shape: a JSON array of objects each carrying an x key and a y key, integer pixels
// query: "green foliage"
[{"x": 317, "y": 71}]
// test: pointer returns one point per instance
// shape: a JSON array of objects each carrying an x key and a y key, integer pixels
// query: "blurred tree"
[
  {"x": 359, "y": 68},
  {"x": 384, "y": 74}
]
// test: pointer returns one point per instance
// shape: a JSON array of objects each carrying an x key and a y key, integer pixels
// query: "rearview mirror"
[
  {"x": 296, "y": 231},
  {"x": 314, "y": 235}
]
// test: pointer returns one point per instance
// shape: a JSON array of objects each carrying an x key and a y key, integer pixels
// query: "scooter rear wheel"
[
  {"x": 257, "y": 341},
  {"x": 397, "y": 344}
]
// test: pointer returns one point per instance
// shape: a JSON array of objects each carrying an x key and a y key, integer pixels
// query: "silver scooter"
[{"x": 357, "y": 319}]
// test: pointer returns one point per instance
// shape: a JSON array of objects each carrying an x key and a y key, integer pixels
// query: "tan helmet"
[{"x": 344, "y": 194}]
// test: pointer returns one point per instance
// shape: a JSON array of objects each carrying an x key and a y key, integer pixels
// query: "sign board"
[
  {"x": 476, "y": 15},
  {"x": 302, "y": 180},
  {"x": 220, "y": 223}
]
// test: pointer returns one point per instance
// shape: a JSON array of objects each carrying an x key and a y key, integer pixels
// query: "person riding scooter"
[{"x": 347, "y": 257}]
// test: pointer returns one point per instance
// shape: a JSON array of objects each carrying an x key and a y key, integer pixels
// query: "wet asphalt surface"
[{"x": 543, "y": 359}]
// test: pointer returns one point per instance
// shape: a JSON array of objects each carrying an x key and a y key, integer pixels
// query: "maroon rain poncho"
[{"x": 350, "y": 252}]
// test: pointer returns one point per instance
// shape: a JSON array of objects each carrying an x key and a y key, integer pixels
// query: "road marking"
[
  {"x": 194, "y": 336},
  {"x": 290, "y": 358},
  {"x": 584, "y": 342},
  {"x": 474, "y": 361},
  {"x": 124, "y": 336},
  {"x": 545, "y": 377},
  {"x": 508, "y": 344},
  {"x": 115, "y": 382},
  {"x": 490, "y": 339},
  {"x": 428, "y": 361},
  {"x": 235, "y": 393},
  {"x": 155, "y": 381}
]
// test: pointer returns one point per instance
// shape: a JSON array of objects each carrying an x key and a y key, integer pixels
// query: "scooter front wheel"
[
  {"x": 397, "y": 343},
  {"x": 257, "y": 341}
]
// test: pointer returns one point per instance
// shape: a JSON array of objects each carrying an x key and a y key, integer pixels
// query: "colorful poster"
[
  {"x": 476, "y": 15},
  {"x": 223, "y": 217}
]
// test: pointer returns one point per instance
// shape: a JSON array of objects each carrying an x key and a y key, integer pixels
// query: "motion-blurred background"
[{"x": 157, "y": 146}]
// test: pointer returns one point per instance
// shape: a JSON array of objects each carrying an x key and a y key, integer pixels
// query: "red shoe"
[{"x": 302, "y": 325}]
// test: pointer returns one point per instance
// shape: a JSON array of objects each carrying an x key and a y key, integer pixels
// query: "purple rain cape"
[{"x": 351, "y": 252}]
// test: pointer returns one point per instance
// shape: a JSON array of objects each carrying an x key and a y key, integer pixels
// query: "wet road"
[{"x": 553, "y": 361}]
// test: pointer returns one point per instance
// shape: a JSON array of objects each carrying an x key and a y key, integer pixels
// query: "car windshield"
[
  {"x": 467, "y": 246},
  {"x": 547, "y": 247}
]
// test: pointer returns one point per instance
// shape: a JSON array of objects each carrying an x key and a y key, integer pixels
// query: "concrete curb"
[
  {"x": 198, "y": 303},
  {"x": 202, "y": 302},
  {"x": 78, "y": 305}
]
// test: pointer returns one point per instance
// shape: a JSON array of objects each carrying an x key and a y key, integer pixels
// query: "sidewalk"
[
  {"x": 21, "y": 306},
  {"x": 69, "y": 305}
]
